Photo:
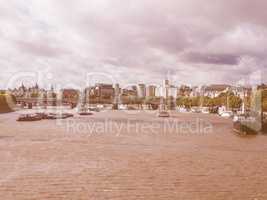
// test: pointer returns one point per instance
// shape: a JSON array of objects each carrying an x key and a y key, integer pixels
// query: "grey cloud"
[
  {"x": 223, "y": 59},
  {"x": 40, "y": 49},
  {"x": 150, "y": 37}
]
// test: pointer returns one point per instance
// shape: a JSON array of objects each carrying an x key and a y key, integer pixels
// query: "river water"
[{"x": 119, "y": 155}]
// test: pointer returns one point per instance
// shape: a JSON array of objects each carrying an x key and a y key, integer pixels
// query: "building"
[
  {"x": 6, "y": 102},
  {"x": 262, "y": 87},
  {"x": 90, "y": 92},
  {"x": 104, "y": 91},
  {"x": 141, "y": 90},
  {"x": 2, "y": 91},
  {"x": 213, "y": 91},
  {"x": 196, "y": 91},
  {"x": 151, "y": 91},
  {"x": 31, "y": 92},
  {"x": 241, "y": 91},
  {"x": 184, "y": 91},
  {"x": 101, "y": 93},
  {"x": 70, "y": 96},
  {"x": 129, "y": 92}
]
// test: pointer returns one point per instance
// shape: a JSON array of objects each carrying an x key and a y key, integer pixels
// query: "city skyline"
[{"x": 203, "y": 42}]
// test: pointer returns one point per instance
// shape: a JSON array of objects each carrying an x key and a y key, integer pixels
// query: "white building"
[{"x": 141, "y": 90}]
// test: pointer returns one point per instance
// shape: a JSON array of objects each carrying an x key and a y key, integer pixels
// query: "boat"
[
  {"x": 227, "y": 114},
  {"x": 163, "y": 114},
  {"x": 41, "y": 115},
  {"x": 29, "y": 118},
  {"x": 58, "y": 116},
  {"x": 249, "y": 125},
  {"x": 50, "y": 116},
  {"x": 65, "y": 115},
  {"x": 85, "y": 113},
  {"x": 244, "y": 126},
  {"x": 254, "y": 121},
  {"x": 195, "y": 110}
]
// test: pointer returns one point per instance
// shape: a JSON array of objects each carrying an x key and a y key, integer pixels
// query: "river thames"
[{"x": 136, "y": 155}]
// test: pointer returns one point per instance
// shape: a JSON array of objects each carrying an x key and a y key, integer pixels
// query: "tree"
[
  {"x": 184, "y": 101},
  {"x": 264, "y": 100},
  {"x": 196, "y": 101},
  {"x": 229, "y": 99},
  {"x": 235, "y": 102},
  {"x": 6, "y": 103}
]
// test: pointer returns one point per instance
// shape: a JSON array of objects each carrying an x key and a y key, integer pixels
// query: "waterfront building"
[
  {"x": 141, "y": 90},
  {"x": 70, "y": 96},
  {"x": 151, "y": 91},
  {"x": 215, "y": 90},
  {"x": 184, "y": 91},
  {"x": 104, "y": 91},
  {"x": 129, "y": 92}
]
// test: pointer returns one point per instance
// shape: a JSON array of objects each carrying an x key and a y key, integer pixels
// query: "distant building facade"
[
  {"x": 141, "y": 90},
  {"x": 70, "y": 96},
  {"x": 213, "y": 91},
  {"x": 151, "y": 91},
  {"x": 105, "y": 91}
]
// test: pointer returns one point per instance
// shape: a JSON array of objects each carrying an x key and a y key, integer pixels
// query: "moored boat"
[
  {"x": 29, "y": 117},
  {"x": 247, "y": 125},
  {"x": 244, "y": 128},
  {"x": 85, "y": 112},
  {"x": 163, "y": 114},
  {"x": 59, "y": 115}
]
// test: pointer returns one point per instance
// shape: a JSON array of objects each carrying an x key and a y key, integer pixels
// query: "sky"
[{"x": 75, "y": 43}]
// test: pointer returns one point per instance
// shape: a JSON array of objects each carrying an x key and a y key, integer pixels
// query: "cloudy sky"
[{"x": 71, "y": 42}]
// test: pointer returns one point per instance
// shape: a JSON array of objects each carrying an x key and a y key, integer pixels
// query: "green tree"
[
  {"x": 264, "y": 100},
  {"x": 235, "y": 102},
  {"x": 6, "y": 102},
  {"x": 184, "y": 101}
]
